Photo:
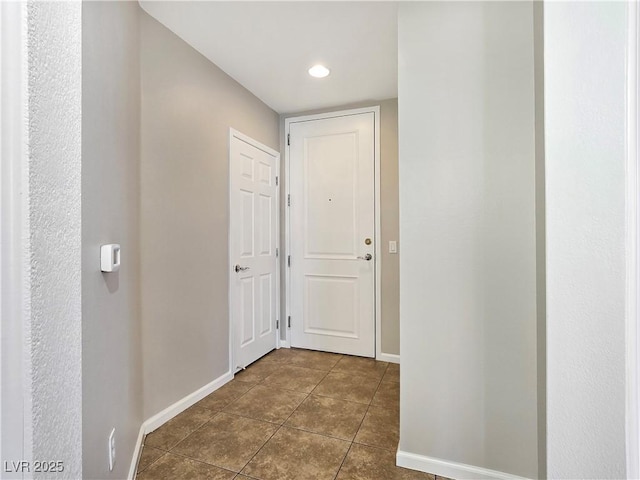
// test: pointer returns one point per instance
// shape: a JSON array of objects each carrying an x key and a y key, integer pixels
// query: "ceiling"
[{"x": 269, "y": 46}]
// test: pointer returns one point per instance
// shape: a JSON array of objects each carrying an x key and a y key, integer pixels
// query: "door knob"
[
  {"x": 238, "y": 268},
  {"x": 367, "y": 257}
]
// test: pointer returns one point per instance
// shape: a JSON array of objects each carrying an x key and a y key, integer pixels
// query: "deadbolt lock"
[{"x": 367, "y": 241}]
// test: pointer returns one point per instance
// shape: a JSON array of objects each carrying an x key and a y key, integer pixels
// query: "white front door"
[
  {"x": 332, "y": 227},
  {"x": 252, "y": 246}
]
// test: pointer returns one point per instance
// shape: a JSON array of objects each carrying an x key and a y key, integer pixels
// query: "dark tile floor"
[{"x": 293, "y": 414}]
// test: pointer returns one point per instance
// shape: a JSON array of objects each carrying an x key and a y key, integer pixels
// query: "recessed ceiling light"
[{"x": 319, "y": 71}]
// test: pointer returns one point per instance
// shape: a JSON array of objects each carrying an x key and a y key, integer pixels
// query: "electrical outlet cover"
[{"x": 112, "y": 449}]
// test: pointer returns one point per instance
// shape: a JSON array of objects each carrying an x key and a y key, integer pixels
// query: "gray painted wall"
[
  {"x": 468, "y": 232},
  {"x": 188, "y": 105},
  {"x": 111, "y": 333},
  {"x": 388, "y": 217},
  {"x": 585, "y": 124},
  {"x": 53, "y": 352}
]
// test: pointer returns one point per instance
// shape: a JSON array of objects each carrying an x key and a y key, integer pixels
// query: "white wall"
[
  {"x": 585, "y": 185},
  {"x": 54, "y": 325},
  {"x": 111, "y": 334},
  {"x": 468, "y": 231}
]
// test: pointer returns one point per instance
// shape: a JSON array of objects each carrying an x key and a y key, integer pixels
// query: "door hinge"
[
  {"x": 277, "y": 324},
  {"x": 277, "y": 252},
  {"x": 276, "y": 181},
  {"x": 288, "y": 260},
  {"x": 288, "y": 199},
  {"x": 289, "y": 321},
  {"x": 288, "y": 139}
]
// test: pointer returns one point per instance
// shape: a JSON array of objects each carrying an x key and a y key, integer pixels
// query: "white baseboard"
[
  {"x": 181, "y": 405},
  {"x": 284, "y": 344},
  {"x": 171, "y": 411},
  {"x": 389, "y": 357},
  {"x": 136, "y": 454},
  {"x": 445, "y": 468}
]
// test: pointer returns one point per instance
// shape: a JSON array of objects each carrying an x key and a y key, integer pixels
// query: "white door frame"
[
  {"x": 633, "y": 244},
  {"x": 231, "y": 275},
  {"x": 378, "y": 237},
  {"x": 14, "y": 238}
]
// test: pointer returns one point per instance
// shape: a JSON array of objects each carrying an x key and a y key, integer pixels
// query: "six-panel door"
[{"x": 253, "y": 211}]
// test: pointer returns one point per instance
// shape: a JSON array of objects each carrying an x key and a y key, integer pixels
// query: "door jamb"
[
  {"x": 377, "y": 231},
  {"x": 14, "y": 233},
  {"x": 244, "y": 138}
]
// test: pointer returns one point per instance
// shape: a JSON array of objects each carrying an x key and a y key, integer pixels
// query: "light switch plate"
[{"x": 393, "y": 246}]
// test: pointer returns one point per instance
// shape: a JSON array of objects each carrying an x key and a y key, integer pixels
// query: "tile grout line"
[
  {"x": 191, "y": 433},
  {"x": 368, "y": 407},
  {"x": 309, "y": 394},
  {"x": 202, "y": 461},
  {"x": 285, "y": 421},
  {"x": 333, "y": 398},
  {"x": 343, "y": 460},
  {"x": 336, "y": 398},
  {"x": 316, "y": 385},
  {"x": 326, "y": 435},
  {"x": 182, "y": 455},
  {"x": 233, "y": 414},
  {"x": 138, "y": 472},
  {"x": 359, "y": 426},
  {"x": 262, "y": 381},
  {"x": 276, "y": 431},
  {"x": 167, "y": 450},
  {"x": 352, "y": 441},
  {"x": 172, "y": 452}
]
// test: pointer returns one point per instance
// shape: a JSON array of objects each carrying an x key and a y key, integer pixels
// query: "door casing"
[
  {"x": 377, "y": 231},
  {"x": 15, "y": 375},
  {"x": 231, "y": 274}
]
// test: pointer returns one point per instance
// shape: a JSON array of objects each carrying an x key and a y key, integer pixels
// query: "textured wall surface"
[
  {"x": 467, "y": 230},
  {"x": 188, "y": 105},
  {"x": 111, "y": 334},
  {"x": 54, "y": 82},
  {"x": 585, "y": 89},
  {"x": 389, "y": 217}
]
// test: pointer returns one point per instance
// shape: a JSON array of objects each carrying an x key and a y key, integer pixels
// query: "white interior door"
[
  {"x": 332, "y": 227},
  {"x": 252, "y": 246}
]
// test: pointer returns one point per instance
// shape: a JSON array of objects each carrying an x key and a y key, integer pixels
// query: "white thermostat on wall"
[{"x": 110, "y": 257}]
